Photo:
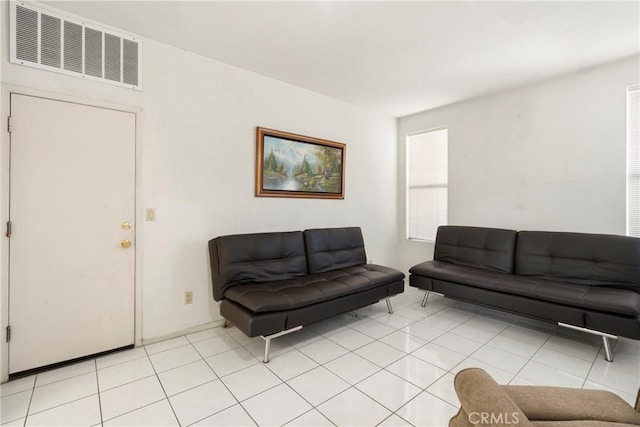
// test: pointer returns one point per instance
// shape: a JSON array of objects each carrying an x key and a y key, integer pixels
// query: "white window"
[
  {"x": 633, "y": 161},
  {"x": 427, "y": 184}
]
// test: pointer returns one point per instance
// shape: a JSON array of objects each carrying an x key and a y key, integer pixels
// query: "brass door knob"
[
  {"x": 125, "y": 225},
  {"x": 125, "y": 243}
]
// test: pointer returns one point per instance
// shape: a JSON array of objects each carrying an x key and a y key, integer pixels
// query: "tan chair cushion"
[
  {"x": 579, "y": 423},
  {"x": 484, "y": 402},
  {"x": 566, "y": 404}
]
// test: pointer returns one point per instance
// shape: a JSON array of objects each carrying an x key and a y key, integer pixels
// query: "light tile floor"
[{"x": 364, "y": 368}]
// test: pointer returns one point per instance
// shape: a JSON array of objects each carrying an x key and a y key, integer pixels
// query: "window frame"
[
  {"x": 409, "y": 187},
  {"x": 632, "y": 173}
]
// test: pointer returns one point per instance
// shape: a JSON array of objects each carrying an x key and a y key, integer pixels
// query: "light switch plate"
[{"x": 151, "y": 214}]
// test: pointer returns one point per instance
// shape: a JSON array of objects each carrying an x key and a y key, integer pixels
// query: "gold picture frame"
[{"x": 291, "y": 165}]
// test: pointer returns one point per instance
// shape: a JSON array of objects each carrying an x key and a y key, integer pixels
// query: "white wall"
[
  {"x": 549, "y": 156},
  {"x": 197, "y": 168}
]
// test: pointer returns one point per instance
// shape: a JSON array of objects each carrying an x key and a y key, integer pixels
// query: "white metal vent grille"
[
  {"x": 50, "y": 41},
  {"x": 72, "y": 52},
  {"x": 112, "y": 55},
  {"x": 130, "y": 58},
  {"x": 26, "y": 34}
]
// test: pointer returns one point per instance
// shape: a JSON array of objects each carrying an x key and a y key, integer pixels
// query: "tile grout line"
[
  {"x": 34, "y": 387},
  {"x": 161, "y": 386},
  {"x": 238, "y": 402},
  {"x": 217, "y": 336},
  {"x": 399, "y": 329},
  {"x": 282, "y": 382},
  {"x": 63, "y": 404},
  {"x": 61, "y": 379},
  {"x": 593, "y": 363},
  {"x": 424, "y": 390},
  {"x": 129, "y": 361},
  {"x": 123, "y": 362},
  {"x": 98, "y": 388},
  {"x": 487, "y": 345},
  {"x": 531, "y": 358},
  {"x": 354, "y": 386},
  {"x": 322, "y": 365},
  {"x": 134, "y": 410},
  {"x": 316, "y": 367},
  {"x": 405, "y": 354},
  {"x": 33, "y": 390},
  {"x": 347, "y": 326},
  {"x": 219, "y": 378},
  {"x": 415, "y": 397},
  {"x": 566, "y": 355},
  {"x": 449, "y": 371},
  {"x": 313, "y": 408},
  {"x": 326, "y": 400}
]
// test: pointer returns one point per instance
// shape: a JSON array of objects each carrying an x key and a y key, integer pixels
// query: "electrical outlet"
[
  {"x": 188, "y": 297},
  {"x": 151, "y": 214}
]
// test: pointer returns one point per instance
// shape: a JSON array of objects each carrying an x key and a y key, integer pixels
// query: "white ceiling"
[{"x": 399, "y": 57}]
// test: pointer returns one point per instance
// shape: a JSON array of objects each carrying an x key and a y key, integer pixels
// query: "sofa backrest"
[
  {"x": 591, "y": 259},
  {"x": 334, "y": 248},
  {"x": 261, "y": 257},
  {"x": 486, "y": 248}
]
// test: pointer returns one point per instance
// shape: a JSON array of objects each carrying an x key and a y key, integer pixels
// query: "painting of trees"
[{"x": 293, "y": 163}]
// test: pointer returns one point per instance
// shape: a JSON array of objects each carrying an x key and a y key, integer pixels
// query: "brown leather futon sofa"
[
  {"x": 270, "y": 284},
  {"x": 589, "y": 282}
]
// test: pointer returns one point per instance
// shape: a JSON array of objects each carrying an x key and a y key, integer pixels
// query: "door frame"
[{"x": 5, "y": 174}]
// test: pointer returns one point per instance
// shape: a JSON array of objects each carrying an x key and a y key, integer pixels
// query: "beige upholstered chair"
[{"x": 483, "y": 402}]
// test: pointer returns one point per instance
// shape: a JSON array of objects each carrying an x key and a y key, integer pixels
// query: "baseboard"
[{"x": 214, "y": 324}]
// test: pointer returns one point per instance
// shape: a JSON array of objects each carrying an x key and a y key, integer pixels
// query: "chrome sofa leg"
[
  {"x": 424, "y": 300},
  {"x": 607, "y": 349},
  {"x": 267, "y": 340},
  {"x": 608, "y": 356},
  {"x": 267, "y": 347},
  {"x": 389, "y": 306}
]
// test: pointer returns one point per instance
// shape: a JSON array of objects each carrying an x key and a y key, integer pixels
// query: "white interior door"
[{"x": 72, "y": 193}]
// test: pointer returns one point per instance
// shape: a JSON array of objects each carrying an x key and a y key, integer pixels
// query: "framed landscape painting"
[{"x": 290, "y": 165}]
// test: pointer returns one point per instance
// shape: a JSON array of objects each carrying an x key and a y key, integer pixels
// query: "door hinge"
[
  {"x": 9, "y": 125},
  {"x": 8, "y": 333},
  {"x": 8, "y": 232}
]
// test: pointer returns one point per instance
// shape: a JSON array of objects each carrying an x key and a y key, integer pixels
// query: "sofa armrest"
[
  {"x": 483, "y": 402},
  {"x": 540, "y": 403}
]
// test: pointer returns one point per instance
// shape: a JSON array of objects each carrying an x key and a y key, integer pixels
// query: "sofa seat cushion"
[
  {"x": 472, "y": 276},
  {"x": 610, "y": 300},
  {"x": 303, "y": 291},
  {"x": 619, "y": 301}
]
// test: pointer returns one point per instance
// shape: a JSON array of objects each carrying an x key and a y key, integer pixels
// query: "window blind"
[
  {"x": 427, "y": 184},
  {"x": 633, "y": 161}
]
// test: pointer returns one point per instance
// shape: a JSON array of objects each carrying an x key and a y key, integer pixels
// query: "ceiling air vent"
[{"x": 49, "y": 41}]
